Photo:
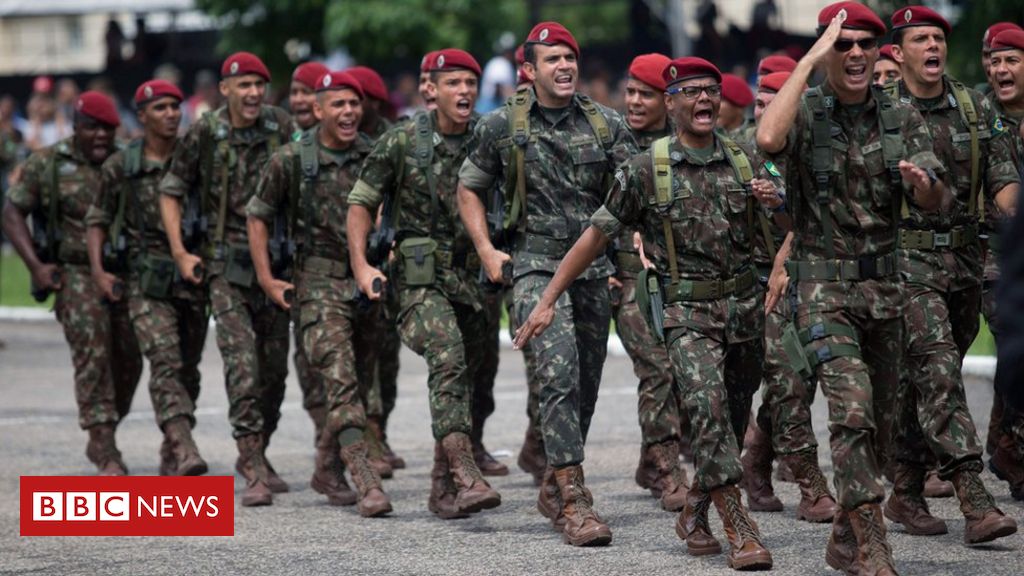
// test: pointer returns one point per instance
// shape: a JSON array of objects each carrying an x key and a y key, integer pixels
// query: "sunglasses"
[
  {"x": 847, "y": 45},
  {"x": 693, "y": 92}
]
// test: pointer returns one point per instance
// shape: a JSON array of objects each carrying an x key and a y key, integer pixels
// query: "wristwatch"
[{"x": 932, "y": 177}]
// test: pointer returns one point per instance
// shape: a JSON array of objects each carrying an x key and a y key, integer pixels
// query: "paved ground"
[{"x": 300, "y": 534}]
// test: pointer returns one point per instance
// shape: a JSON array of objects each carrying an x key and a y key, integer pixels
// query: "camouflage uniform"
[
  {"x": 714, "y": 344},
  {"x": 252, "y": 332},
  {"x": 860, "y": 387},
  {"x": 104, "y": 351},
  {"x": 943, "y": 289},
  {"x": 171, "y": 330},
  {"x": 326, "y": 292},
  {"x": 566, "y": 170}
]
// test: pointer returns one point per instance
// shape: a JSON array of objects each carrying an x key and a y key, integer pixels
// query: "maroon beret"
[
  {"x": 154, "y": 89},
  {"x": 337, "y": 80},
  {"x": 1008, "y": 40},
  {"x": 773, "y": 82},
  {"x": 858, "y": 17},
  {"x": 520, "y": 55},
  {"x": 775, "y": 63},
  {"x": 551, "y": 33},
  {"x": 995, "y": 29},
  {"x": 242, "y": 63},
  {"x": 648, "y": 69},
  {"x": 308, "y": 73},
  {"x": 919, "y": 16},
  {"x": 689, "y": 67},
  {"x": 99, "y": 107},
  {"x": 885, "y": 52},
  {"x": 452, "y": 59},
  {"x": 736, "y": 91},
  {"x": 427, "y": 63},
  {"x": 372, "y": 83}
]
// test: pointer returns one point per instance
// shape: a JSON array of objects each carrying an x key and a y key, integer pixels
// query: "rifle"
[
  {"x": 44, "y": 241},
  {"x": 380, "y": 241},
  {"x": 193, "y": 224},
  {"x": 501, "y": 239},
  {"x": 282, "y": 249}
]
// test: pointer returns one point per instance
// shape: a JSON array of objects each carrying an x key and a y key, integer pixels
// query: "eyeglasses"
[
  {"x": 693, "y": 92},
  {"x": 847, "y": 45}
]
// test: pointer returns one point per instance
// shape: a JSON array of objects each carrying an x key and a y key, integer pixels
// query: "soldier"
[
  {"x": 689, "y": 196},
  {"x": 429, "y": 100},
  {"x": 886, "y": 68},
  {"x": 736, "y": 98},
  {"x": 412, "y": 170},
  {"x": 554, "y": 150},
  {"x": 169, "y": 316},
  {"x": 986, "y": 51},
  {"x": 774, "y": 63},
  {"x": 852, "y": 154},
  {"x": 214, "y": 172},
  {"x": 56, "y": 188},
  {"x": 1007, "y": 73},
  {"x": 301, "y": 98},
  {"x": 657, "y": 403},
  {"x": 377, "y": 110},
  {"x": 307, "y": 183},
  {"x": 941, "y": 262}
]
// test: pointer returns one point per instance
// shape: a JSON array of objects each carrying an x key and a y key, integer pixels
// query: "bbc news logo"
[{"x": 127, "y": 506}]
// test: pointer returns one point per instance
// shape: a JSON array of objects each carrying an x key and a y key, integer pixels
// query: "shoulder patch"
[
  {"x": 620, "y": 177},
  {"x": 297, "y": 135},
  {"x": 998, "y": 126},
  {"x": 772, "y": 169}
]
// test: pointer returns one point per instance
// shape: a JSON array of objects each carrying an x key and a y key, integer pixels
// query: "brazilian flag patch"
[
  {"x": 998, "y": 125},
  {"x": 772, "y": 169},
  {"x": 297, "y": 135}
]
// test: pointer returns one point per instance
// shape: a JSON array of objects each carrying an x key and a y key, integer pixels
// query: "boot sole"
[
  {"x": 486, "y": 502},
  {"x": 909, "y": 529},
  {"x": 600, "y": 539},
  {"x": 998, "y": 532},
  {"x": 761, "y": 563},
  {"x": 455, "y": 515},
  {"x": 494, "y": 472},
  {"x": 375, "y": 512},
  {"x": 334, "y": 498},
  {"x": 196, "y": 469}
]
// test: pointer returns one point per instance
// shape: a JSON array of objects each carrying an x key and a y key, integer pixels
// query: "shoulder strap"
[
  {"x": 132, "y": 169},
  {"x": 515, "y": 183},
  {"x": 598, "y": 123},
  {"x": 424, "y": 151},
  {"x": 745, "y": 173},
  {"x": 53, "y": 197},
  {"x": 392, "y": 199},
  {"x": 893, "y": 150},
  {"x": 273, "y": 130},
  {"x": 821, "y": 161},
  {"x": 661, "y": 169},
  {"x": 969, "y": 114},
  {"x": 309, "y": 163}
]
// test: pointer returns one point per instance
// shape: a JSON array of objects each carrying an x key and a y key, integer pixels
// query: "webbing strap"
[
  {"x": 224, "y": 151},
  {"x": 54, "y": 207},
  {"x": 821, "y": 162},
  {"x": 132, "y": 169},
  {"x": 661, "y": 166},
  {"x": 310, "y": 166},
  {"x": 424, "y": 150},
  {"x": 745, "y": 173},
  {"x": 519, "y": 126},
  {"x": 824, "y": 329},
  {"x": 969, "y": 114},
  {"x": 826, "y": 352}
]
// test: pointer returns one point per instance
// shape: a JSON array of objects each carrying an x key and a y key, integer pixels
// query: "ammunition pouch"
[
  {"x": 156, "y": 276},
  {"x": 418, "y": 261},
  {"x": 238, "y": 269}
]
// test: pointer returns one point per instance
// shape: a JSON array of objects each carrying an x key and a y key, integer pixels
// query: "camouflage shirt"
[
  {"x": 710, "y": 230},
  {"x": 77, "y": 180},
  {"x": 1011, "y": 125},
  {"x": 566, "y": 172},
  {"x": 239, "y": 156},
  {"x": 624, "y": 242}
]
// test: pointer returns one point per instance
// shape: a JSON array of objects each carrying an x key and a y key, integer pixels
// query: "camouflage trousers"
[
  {"x": 450, "y": 336},
  {"x": 104, "y": 351},
  {"x": 172, "y": 333},
  {"x": 252, "y": 335},
  {"x": 483, "y": 388},
  {"x": 312, "y": 386},
  {"x": 716, "y": 382},
  {"x": 568, "y": 361},
  {"x": 658, "y": 405},
  {"x": 934, "y": 418},
  {"x": 382, "y": 395},
  {"x": 529, "y": 360}
]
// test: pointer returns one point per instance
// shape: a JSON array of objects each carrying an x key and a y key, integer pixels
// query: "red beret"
[
  {"x": 520, "y": 55},
  {"x": 775, "y": 63},
  {"x": 154, "y": 89},
  {"x": 773, "y": 82},
  {"x": 689, "y": 67},
  {"x": 1008, "y": 40},
  {"x": 919, "y": 16},
  {"x": 858, "y": 17},
  {"x": 551, "y": 33},
  {"x": 372, "y": 83},
  {"x": 736, "y": 90},
  {"x": 648, "y": 68},
  {"x": 242, "y": 63},
  {"x": 308, "y": 73},
  {"x": 336, "y": 80},
  {"x": 428, "y": 61},
  {"x": 453, "y": 58},
  {"x": 99, "y": 107},
  {"x": 995, "y": 29},
  {"x": 885, "y": 52}
]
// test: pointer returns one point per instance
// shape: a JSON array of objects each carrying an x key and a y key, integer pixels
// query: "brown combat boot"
[
  {"x": 692, "y": 524},
  {"x": 935, "y": 487},
  {"x": 985, "y": 522},
  {"x": 816, "y": 502},
  {"x": 168, "y": 465},
  {"x": 485, "y": 461},
  {"x": 186, "y": 453},
  {"x": 757, "y": 472},
  {"x": 102, "y": 451},
  {"x": 532, "y": 459},
  {"x": 375, "y": 449},
  {"x": 474, "y": 493},
  {"x": 1007, "y": 466},
  {"x": 274, "y": 482},
  {"x": 670, "y": 486},
  {"x": 372, "y": 501},
  {"x": 646, "y": 473},
  {"x": 583, "y": 527},
  {"x": 442, "y": 488},
  {"x": 841, "y": 552},
  {"x": 253, "y": 467},
  {"x": 874, "y": 556},
  {"x": 549, "y": 500},
  {"x": 907, "y": 506},
  {"x": 746, "y": 550},
  {"x": 329, "y": 472},
  {"x": 318, "y": 414}
]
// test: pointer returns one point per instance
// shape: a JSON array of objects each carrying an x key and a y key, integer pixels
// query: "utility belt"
[
  {"x": 628, "y": 262},
  {"x": 958, "y": 237},
  {"x": 864, "y": 268},
  {"x": 545, "y": 245},
  {"x": 694, "y": 290},
  {"x": 331, "y": 267},
  {"x": 157, "y": 276},
  {"x": 422, "y": 257}
]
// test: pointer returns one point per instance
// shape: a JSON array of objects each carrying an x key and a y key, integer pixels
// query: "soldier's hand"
[
  {"x": 47, "y": 277},
  {"x": 766, "y": 193},
  {"x": 914, "y": 176},
  {"x": 778, "y": 280},
  {"x": 365, "y": 279},
  {"x": 106, "y": 282},
  {"x": 824, "y": 44},
  {"x": 492, "y": 263},
  {"x": 615, "y": 290},
  {"x": 614, "y": 283},
  {"x": 540, "y": 318},
  {"x": 275, "y": 290},
  {"x": 187, "y": 265}
]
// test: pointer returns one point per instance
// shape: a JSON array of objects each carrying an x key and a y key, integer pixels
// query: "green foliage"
[
  {"x": 965, "y": 43},
  {"x": 14, "y": 283}
]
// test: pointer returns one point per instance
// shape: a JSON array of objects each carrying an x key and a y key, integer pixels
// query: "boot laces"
[
  {"x": 740, "y": 521},
  {"x": 582, "y": 503},
  {"x": 874, "y": 538}
]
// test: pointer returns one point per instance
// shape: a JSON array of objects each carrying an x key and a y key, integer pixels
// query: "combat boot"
[
  {"x": 329, "y": 472},
  {"x": 1007, "y": 466},
  {"x": 816, "y": 502},
  {"x": 186, "y": 453},
  {"x": 841, "y": 552},
  {"x": 985, "y": 522},
  {"x": 671, "y": 485},
  {"x": 935, "y": 487},
  {"x": 757, "y": 472},
  {"x": 474, "y": 493},
  {"x": 907, "y": 506},
  {"x": 379, "y": 428},
  {"x": 372, "y": 501},
  {"x": 583, "y": 527},
  {"x": 486, "y": 463},
  {"x": 874, "y": 556},
  {"x": 442, "y": 488},
  {"x": 253, "y": 467},
  {"x": 274, "y": 482},
  {"x": 102, "y": 451},
  {"x": 532, "y": 459},
  {"x": 375, "y": 449},
  {"x": 693, "y": 527},
  {"x": 318, "y": 414},
  {"x": 746, "y": 550},
  {"x": 168, "y": 466},
  {"x": 549, "y": 500},
  {"x": 646, "y": 473}
]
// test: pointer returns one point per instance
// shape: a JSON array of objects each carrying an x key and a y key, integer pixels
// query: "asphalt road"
[{"x": 300, "y": 534}]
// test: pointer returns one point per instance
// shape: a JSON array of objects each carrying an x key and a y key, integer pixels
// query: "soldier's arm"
[
  {"x": 1001, "y": 174},
  {"x": 778, "y": 279},
  {"x": 175, "y": 185},
  {"x": 260, "y": 211},
  {"x": 97, "y": 219},
  {"x": 477, "y": 175},
  {"x": 22, "y": 198},
  {"x": 377, "y": 178},
  {"x": 931, "y": 195}
]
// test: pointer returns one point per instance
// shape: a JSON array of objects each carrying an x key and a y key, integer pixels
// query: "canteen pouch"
[
  {"x": 239, "y": 270},
  {"x": 157, "y": 277},
  {"x": 418, "y": 261}
]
